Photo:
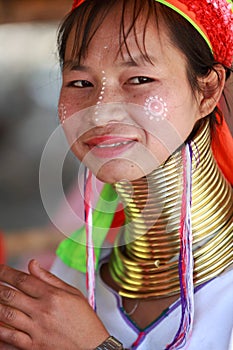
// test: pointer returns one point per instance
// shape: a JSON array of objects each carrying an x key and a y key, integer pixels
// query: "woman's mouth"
[
  {"x": 109, "y": 146},
  {"x": 113, "y": 144}
]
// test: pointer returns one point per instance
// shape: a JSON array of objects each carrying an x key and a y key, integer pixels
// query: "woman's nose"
[
  {"x": 109, "y": 112},
  {"x": 109, "y": 91},
  {"x": 110, "y": 106}
]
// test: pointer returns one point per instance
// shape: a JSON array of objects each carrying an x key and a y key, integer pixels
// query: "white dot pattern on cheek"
[
  {"x": 101, "y": 95},
  {"x": 156, "y": 108},
  {"x": 62, "y": 113}
]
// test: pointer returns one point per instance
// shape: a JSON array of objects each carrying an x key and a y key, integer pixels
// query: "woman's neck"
[{"x": 146, "y": 265}]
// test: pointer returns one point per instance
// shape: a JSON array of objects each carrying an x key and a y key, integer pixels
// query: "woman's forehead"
[{"x": 128, "y": 41}]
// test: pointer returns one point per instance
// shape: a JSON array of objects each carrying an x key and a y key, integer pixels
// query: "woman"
[{"x": 139, "y": 106}]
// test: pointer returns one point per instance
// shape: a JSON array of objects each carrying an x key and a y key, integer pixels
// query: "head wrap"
[{"x": 77, "y": 3}]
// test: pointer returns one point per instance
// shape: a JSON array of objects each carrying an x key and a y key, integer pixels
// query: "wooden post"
[{"x": 33, "y": 10}]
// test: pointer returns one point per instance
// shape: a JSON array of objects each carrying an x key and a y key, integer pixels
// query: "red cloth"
[
  {"x": 77, "y": 3},
  {"x": 222, "y": 146}
]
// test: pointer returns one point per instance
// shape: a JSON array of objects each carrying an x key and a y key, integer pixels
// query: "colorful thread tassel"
[
  {"x": 90, "y": 253},
  {"x": 186, "y": 257}
]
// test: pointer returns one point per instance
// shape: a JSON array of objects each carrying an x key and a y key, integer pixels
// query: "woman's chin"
[{"x": 119, "y": 170}]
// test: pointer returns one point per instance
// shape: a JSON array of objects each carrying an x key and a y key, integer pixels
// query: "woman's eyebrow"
[
  {"x": 130, "y": 61},
  {"x": 135, "y": 61},
  {"x": 75, "y": 66}
]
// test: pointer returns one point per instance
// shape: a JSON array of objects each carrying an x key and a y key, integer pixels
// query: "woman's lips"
[{"x": 109, "y": 146}]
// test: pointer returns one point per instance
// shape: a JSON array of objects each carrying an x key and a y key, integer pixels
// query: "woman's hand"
[{"x": 40, "y": 311}]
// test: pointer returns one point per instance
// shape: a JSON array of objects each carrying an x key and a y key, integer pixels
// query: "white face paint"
[
  {"x": 62, "y": 113},
  {"x": 156, "y": 108},
  {"x": 101, "y": 96}
]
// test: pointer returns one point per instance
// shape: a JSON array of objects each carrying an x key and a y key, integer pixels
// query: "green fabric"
[{"x": 72, "y": 251}]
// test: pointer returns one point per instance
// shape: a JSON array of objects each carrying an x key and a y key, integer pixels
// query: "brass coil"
[{"x": 146, "y": 265}]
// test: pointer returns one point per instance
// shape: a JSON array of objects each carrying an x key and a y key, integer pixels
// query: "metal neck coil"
[{"x": 144, "y": 261}]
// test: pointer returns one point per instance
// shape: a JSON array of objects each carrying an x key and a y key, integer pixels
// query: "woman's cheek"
[
  {"x": 66, "y": 106},
  {"x": 73, "y": 101},
  {"x": 156, "y": 108}
]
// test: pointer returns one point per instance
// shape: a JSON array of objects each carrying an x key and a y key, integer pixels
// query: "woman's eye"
[
  {"x": 80, "y": 84},
  {"x": 140, "y": 80}
]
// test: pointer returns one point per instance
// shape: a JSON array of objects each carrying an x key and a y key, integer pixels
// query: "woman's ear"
[{"x": 211, "y": 89}]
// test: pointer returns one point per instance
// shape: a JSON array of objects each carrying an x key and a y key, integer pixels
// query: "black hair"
[{"x": 87, "y": 18}]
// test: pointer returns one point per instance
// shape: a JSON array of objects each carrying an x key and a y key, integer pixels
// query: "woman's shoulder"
[{"x": 213, "y": 322}]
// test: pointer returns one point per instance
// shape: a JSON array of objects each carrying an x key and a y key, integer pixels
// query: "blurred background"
[{"x": 29, "y": 89}]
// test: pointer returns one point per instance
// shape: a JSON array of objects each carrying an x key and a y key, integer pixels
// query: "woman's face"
[{"x": 122, "y": 114}]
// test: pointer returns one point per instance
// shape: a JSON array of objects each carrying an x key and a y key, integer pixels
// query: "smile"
[
  {"x": 109, "y": 146},
  {"x": 117, "y": 144}
]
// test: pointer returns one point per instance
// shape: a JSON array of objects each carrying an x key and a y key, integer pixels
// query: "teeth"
[{"x": 113, "y": 144}]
